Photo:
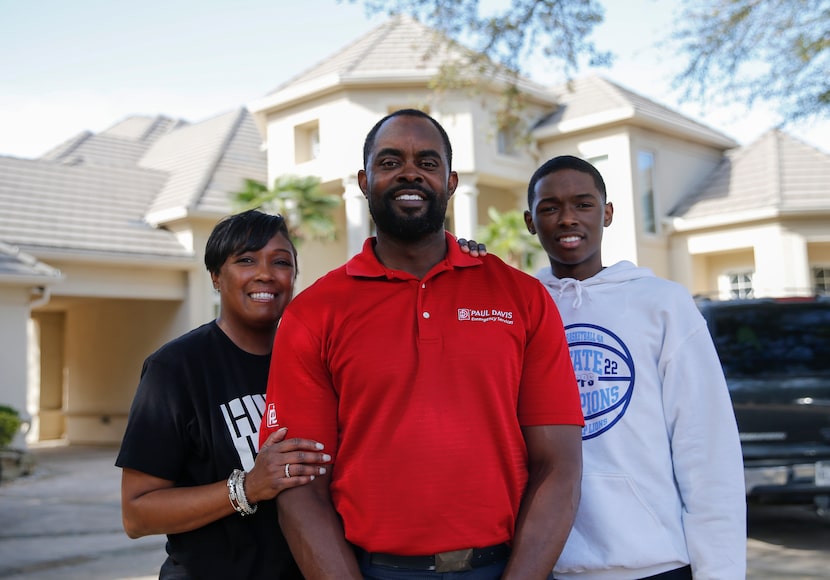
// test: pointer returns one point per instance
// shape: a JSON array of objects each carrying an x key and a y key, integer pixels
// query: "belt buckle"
[{"x": 455, "y": 561}]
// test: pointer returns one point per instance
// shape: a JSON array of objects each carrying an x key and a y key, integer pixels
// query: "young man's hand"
[{"x": 472, "y": 247}]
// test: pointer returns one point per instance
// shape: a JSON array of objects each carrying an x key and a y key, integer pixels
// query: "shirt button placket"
[{"x": 426, "y": 330}]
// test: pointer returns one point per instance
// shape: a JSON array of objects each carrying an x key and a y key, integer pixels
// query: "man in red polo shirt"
[{"x": 440, "y": 383}]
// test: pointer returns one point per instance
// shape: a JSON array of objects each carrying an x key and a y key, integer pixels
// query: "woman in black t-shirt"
[{"x": 191, "y": 468}]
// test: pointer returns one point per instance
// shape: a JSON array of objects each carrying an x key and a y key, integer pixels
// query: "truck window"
[{"x": 763, "y": 339}]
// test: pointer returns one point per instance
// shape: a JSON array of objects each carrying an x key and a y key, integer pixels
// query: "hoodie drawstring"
[{"x": 568, "y": 283}]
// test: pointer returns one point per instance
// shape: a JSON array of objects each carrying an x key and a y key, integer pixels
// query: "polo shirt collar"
[{"x": 366, "y": 264}]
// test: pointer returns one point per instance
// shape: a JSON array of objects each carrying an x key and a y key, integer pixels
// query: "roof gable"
[
  {"x": 107, "y": 193},
  {"x": 592, "y": 102},
  {"x": 123, "y": 144},
  {"x": 776, "y": 172},
  {"x": 399, "y": 46},
  {"x": 192, "y": 156},
  {"x": 400, "y": 52}
]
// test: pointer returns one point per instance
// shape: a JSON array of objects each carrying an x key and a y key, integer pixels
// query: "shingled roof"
[
  {"x": 592, "y": 102},
  {"x": 19, "y": 267},
  {"x": 122, "y": 144},
  {"x": 109, "y": 193},
  {"x": 205, "y": 162},
  {"x": 776, "y": 174},
  {"x": 81, "y": 208},
  {"x": 400, "y": 47},
  {"x": 401, "y": 50}
]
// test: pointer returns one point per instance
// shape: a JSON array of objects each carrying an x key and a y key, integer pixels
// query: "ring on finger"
[{"x": 287, "y": 471}]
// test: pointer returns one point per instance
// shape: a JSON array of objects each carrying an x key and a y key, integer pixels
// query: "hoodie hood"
[{"x": 619, "y": 273}]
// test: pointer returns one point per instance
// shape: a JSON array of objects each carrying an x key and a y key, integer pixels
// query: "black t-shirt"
[{"x": 195, "y": 418}]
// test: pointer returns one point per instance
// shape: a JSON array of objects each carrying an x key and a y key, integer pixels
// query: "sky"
[{"x": 73, "y": 66}]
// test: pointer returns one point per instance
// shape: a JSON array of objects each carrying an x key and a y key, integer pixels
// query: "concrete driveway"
[{"x": 64, "y": 521}]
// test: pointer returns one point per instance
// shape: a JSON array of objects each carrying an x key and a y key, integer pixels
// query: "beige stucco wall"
[
  {"x": 14, "y": 315},
  {"x": 722, "y": 263},
  {"x": 88, "y": 342},
  {"x": 781, "y": 253},
  {"x": 97, "y": 363},
  {"x": 818, "y": 253},
  {"x": 45, "y": 403}
]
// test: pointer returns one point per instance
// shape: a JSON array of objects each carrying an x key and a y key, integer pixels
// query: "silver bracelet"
[
  {"x": 236, "y": 494},
  {"x": 247, "y": 509}
]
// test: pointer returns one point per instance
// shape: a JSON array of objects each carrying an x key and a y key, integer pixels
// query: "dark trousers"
[{"x": 172, "y": 570}]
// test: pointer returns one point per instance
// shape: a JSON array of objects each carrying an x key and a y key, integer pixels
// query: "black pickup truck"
[{"x": 775, "y": 354}]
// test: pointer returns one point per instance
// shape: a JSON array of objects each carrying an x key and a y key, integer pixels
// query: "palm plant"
[
  {"x": 306, "y": 207},
  {"x": 507, "y": 237}
]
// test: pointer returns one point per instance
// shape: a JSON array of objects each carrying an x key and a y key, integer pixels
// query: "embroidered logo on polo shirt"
[
  {"x": 485, "y": 315},
  {"x": 271, "y": 416},
  {"x": 604, "y": 373}
]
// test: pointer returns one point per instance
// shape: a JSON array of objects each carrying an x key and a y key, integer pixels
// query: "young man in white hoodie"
[{"x": 662, "y": 489}]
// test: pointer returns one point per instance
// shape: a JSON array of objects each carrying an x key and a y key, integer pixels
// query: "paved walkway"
[{"x": 64, "y": 521}]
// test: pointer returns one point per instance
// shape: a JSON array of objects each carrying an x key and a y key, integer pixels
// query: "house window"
[
  {"x": 506, "y": 140},
  {"x": 645, "y": 181},
  {"x": 821, "y": 281},
  {"x": 740, "y": 285},
  {"x": 306, "y": 142}
]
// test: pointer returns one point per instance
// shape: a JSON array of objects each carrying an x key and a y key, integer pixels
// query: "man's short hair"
[
  {"x": 369, "y": 143},
  {"x": 558, "y": 164}
]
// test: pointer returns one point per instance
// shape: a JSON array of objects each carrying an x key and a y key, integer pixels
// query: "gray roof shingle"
[
  {"x": 777, "y": 171},
  {"x": 96, "y": 193},
  {"x": 203, "y": 160},
  {"x": 402, "y": 44},
  {"x": 399, "y": 50},
  {"x": 122, "y": 144},
  {"x": 81, "y": 208},
  {"x": 594, "y": 101}
]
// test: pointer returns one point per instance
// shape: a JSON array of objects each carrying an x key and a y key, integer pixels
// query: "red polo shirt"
[{"x": 419, "y": 388}]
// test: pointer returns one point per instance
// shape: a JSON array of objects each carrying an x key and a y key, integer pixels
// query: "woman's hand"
[
  {"x": 152, "y": 505},
  {"x": 472, "y": 247},
  {"x": 282, "y": 464}
]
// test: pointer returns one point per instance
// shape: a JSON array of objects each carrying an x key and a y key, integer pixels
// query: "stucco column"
[
  {"x": 465, "y": 211},
  {"x": 357, "y": 216},
  {"x": 781, "y": 264},
  {"x": 14, "y": 312}
]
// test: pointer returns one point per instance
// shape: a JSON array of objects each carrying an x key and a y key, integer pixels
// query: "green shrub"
[{"x": 9, "y": 424}]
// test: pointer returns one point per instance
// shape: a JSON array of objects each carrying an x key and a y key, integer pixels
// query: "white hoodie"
[{"x": 663, "y": 482}]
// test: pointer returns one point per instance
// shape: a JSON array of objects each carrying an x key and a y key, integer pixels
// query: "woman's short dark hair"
[
  {"x": 558, "y": 164},
  {"x": 243, "y": 232}
]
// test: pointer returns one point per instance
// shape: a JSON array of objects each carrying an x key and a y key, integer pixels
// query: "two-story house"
[{"x": 101, "y": 239}]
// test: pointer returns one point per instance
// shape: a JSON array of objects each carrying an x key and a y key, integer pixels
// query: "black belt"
[{"x": 455, "y": 561}]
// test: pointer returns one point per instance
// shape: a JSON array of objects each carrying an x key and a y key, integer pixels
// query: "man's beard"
[{"x": 405, "y": 227}]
